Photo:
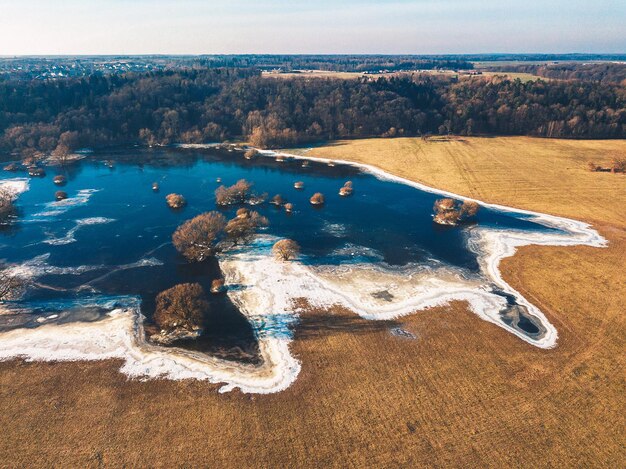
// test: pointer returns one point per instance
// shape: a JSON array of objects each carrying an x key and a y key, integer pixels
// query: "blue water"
[{"x": 382, "y": 221}]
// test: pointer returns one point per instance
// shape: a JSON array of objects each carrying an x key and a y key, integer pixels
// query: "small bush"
[
  {"x": 277, "y": 200},
  {"x": 286, "y": 249},
  {"x": 251, "y": 154},
  {"x": 196, "y": 239},
  {"x": 592, "y": 166},
  {"x": 618, "y": 165},
  {"x": 36, "y": 172},
  {"x": 181, "y": 307},
  {"x": 317, "y": 199},
  {"x": 175, "y": 201},
  {"x": 243, "y": 212},
  {"x": 217, "y": 285}
]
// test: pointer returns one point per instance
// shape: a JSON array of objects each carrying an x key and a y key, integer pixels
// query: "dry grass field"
[{"x": 465, "y": 393}]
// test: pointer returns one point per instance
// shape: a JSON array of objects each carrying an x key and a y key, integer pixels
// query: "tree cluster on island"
[
  {"x": 180, "y": 312},
  {"x": 452, "y": 212}
]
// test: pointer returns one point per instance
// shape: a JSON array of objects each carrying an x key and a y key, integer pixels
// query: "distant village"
[{"x": 46, "y": 68}]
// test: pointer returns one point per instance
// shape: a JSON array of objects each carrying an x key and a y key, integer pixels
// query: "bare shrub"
[
  {"x": 243, "y": 212},
  {"x": 238, "y": 193},
  {"x": 181, "y": 307},
  {"x": 10, "y": 285},
  {"x": 196, "y": 239},
  {"x": 277, "y": 200},
  {"x": 250, "y": 154},
  {"x": 618, "y": 165},
  {"x": 217, "y": 285},
  {"x": 346, "y": 190},
  {"x": 6, "y": 204},
  {"x": 175, "y": 200},
  {"x": 242, "y": 229},
  {"x": 317, "y": 199},
  {"x": 286, "y": 249},
  {"x": 592, "y": 166},
  {"x": 442, "y": 205},
  {"x": 60, "y": 195},
  {"x": 35, "y": 171}
]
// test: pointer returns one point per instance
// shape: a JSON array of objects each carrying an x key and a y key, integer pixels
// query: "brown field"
[
  {"x": 352, "y": 75},
  {"x": 305, "y": 74},
  {"x": 465, "y": 393}
]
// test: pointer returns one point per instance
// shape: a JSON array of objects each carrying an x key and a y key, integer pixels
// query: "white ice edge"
[
  {"x": 264, "y": 297},
  {"x": 15, "y": 186}
]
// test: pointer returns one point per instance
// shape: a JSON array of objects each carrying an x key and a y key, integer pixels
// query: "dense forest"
[
  {"x": 598, "y": 72},
  {"x": 218, "y": 104}
]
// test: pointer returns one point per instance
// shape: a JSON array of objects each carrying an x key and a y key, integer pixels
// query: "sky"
[{"x": 38, "y": 27}]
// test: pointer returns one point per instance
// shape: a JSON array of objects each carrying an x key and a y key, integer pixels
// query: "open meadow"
[{"x": 465, "y": 393}]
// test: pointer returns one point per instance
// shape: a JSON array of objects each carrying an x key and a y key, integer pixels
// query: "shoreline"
[{"x": 262, "y": 306}]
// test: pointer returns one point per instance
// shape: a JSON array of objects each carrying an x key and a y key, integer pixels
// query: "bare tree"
[
  {"x": 181, "y": 307},
  {"x": 468, "y": 209},
  {"x": 451, "y": 212},
  {"x": 196, "y": 239},
  {"x": 68, "y": 142},
  {"x": 244, "y": 226},
  {"x": 6, "y": 204},
  {"x": 286, "y": 249},
  {"x": 9, "y": 284},
  {"x": 238, "y": 193}
]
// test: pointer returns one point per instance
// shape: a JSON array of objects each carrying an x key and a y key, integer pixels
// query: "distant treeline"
[
  {"x": 338, "y": 63},
  {"x": 214, "y": 105},
  {"x": 598, "y": 72}
]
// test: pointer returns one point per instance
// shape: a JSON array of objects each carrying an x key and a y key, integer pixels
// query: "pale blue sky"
[{"x": 314, "y": 26}]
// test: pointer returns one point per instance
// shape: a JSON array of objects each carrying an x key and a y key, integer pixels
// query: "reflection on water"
[{"x": 112, "y": 237}]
